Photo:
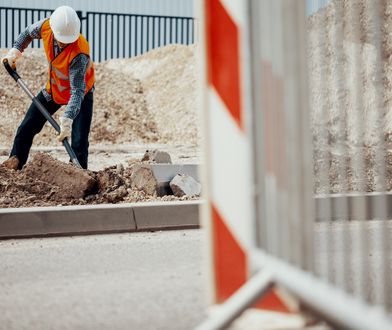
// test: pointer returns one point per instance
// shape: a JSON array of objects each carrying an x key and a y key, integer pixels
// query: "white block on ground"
[{"x": 183, "y": 184}]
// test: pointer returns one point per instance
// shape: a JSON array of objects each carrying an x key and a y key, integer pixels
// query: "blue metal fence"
[
  {"x": 111, "y": 35},
  {"x": 14, "y": 20},
  {"x": 125, "y": 35}
]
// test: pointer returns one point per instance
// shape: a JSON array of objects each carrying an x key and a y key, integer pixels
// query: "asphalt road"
[
  {"x": 154, "y": 280},
  {"x": 123, "y": 281}
]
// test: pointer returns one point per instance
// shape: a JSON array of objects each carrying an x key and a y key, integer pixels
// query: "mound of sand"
[
  {"x": 168, "y": 77},
  {"x": 150, "y": 98}
]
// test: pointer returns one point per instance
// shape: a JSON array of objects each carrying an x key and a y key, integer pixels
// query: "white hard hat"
[{"x": 65, "y": 24}]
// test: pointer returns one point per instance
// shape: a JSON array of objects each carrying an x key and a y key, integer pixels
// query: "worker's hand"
[
  {"x": 12, "y": 56},
  {"x": 65, "y": 128}
]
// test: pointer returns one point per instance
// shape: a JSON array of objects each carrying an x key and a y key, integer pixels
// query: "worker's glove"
[
  {"x": 65, "y": 128},
  {"x": 12, "y": 55}
]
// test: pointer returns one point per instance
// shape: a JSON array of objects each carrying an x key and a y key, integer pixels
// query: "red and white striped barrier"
[{"x": 231, "y": 215}]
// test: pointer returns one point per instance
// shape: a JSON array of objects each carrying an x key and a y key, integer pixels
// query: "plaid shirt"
[{"x": 77, "y": 69}]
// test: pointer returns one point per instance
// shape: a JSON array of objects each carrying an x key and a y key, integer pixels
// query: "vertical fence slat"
[
  {"x": 171, "y": 30},
  {"x": 159, "y": 32},
  {"x": 19, "y": 22},
  {"x": 87, "y": 27},
  {"x": 118, "y": 36},
  {"x": 164, "y": 31},
  {"x": 130, "y": 37},
  {"x": 141, "y": 35},
  {"x": 177, "y": 29},
  {"x": 25, "y": 17},
  {"x": 99, "y": 36},
  {"x": 148, "y": 34},
  {"x": 12, "y": 25},
  {"x": 111, "y": 37},
  {"x": 6, "y": 27},
  {"x": 124, "y": 25},
  {"x": 136, "y": 34},
  {"x": 93, "y": 37},
  {"x": 153, "y": 32},
  {"x": 1, "y": 28}
]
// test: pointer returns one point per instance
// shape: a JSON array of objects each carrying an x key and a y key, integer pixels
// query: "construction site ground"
[
  {"x": 102, "y": 156},
  {"x": 143, "y": 103}
]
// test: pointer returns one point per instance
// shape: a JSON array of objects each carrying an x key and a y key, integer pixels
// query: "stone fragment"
[
  {"x": 185, "y": 185},
  {"x": 72, "y": 181},
  {"x": 143, "y": 178},
  {"x": 109, "y": 180},
  {"x": 120, "y": 169},
  {"x": 157, "y": 156}
]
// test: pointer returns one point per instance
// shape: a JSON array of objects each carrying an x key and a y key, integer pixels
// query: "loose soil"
[
  {"x": 146, "y": 100},
  {"x": 29, "y": 188}
]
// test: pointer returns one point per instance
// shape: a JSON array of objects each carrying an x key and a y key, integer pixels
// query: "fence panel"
[
  {"x": 125, "y": 35},
  {"x": 13, "y": 21},
  {"x": 111, "y": 35}
]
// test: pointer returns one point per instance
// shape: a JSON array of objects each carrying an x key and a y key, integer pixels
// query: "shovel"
[{"x": 42, "y": 109}]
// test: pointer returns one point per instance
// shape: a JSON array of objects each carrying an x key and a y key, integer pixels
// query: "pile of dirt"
[
  {"x": 350, "y": 75},
  {"x": 45, "y": 181},
  {"x": 74, "y": 182},
  {"x": 150, "y": 98},
  {"x": 168, "y": 76}
]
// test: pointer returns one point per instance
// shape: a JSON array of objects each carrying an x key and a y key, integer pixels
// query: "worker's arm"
[
  {"x": 32, "y": 32},
  {"x": 77, "y": 74}
]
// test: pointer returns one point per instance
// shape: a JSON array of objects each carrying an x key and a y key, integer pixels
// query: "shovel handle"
[{"x": 10, "y": 70}]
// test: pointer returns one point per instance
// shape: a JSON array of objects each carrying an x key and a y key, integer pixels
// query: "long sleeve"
[
  {"x": 33, "y": 31},
  {"x": 77, "y": 74}
]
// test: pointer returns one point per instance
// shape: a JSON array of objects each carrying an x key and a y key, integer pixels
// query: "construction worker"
[{"x": 70, "y": 83}]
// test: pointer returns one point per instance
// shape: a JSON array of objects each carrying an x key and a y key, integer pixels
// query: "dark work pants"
[{"x": 34, "y": 121}]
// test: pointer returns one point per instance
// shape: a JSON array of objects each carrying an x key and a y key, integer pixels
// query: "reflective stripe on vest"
[{"x": 59, "y": 73}]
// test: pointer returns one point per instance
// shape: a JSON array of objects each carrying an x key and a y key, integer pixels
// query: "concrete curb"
[
  {"x": 98, "y": 219},
  {"x": 342, "y": 206}
]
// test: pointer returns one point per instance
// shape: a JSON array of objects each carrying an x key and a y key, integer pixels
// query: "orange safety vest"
[{"x": 58, "y": 84}]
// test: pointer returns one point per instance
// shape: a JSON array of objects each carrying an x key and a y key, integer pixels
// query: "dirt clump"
[
  {"x": 18, "y": 189},
  {"x": 74, "y": 182}
]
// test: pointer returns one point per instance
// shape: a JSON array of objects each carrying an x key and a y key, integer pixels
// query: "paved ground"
[
  {"x": 145, "y": 280},
  {"x": 123, "y": 281}
]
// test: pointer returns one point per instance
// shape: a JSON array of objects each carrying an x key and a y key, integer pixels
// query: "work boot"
[{"x": 12, "y": 163}]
